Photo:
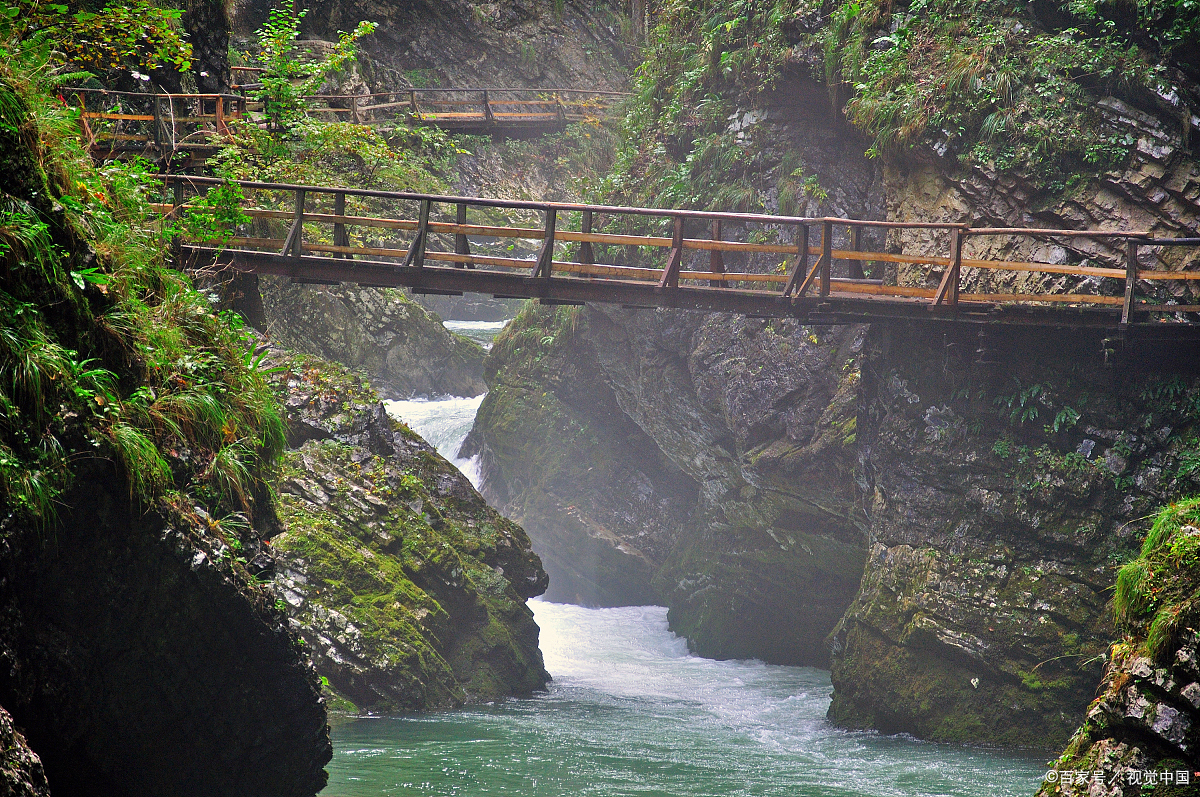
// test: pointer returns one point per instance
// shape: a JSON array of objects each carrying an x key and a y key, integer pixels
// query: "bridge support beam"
[
  {"x": 461, "y": 245},
  {"x": 670, "y": 277},
  {"x": 416, "y": 252},
  {"x": 826, "y": 262},
  {"x": 947, "y": 291},
  {"x": 545, "y": 261},
  {"x": 801, "y": 269},
  {"x": 587, "y": 255},
  {"x": 1131, "y": 268},
  {"x": 716, "y": 258}
]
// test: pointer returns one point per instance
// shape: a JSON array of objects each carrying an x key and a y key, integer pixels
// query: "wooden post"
[
  {"x": 416, "y": 252},
  {"x": 488, "y": 116},
  {"x": 354, "y": 117},
  {"x": 800, "y": 272},
  {"x": 461, "y": 245},
  {"x": 220, "y": 113},
  {"x": 716, "y": 258},
  {"x": 1131, "y": 269},
  {"x": 670, "y": 277},
  {"x": 826, "y": 256},
  {"x": 293, "y": 245},
  {"x": 412, "y": 100},
  {"x": 587, "y": 255},
  {"x": 157, "y": 125},
  {"x": 340, "y": 238},
  {"x": 176, "y": 204},
  {"x": 545, "y": 261},
  {"x": 856, "y": 266},
  {"x": 558, "y": 108},
  {"x": 948, "y": 289}
]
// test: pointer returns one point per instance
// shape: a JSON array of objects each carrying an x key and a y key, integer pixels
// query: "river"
[{"x": 631, "y": 712}]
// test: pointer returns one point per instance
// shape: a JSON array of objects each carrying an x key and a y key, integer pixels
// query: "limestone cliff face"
[
  {"x": 602, "y": 504},
  {"x": 21, "y": 773},
  {"x": 465, "y": 43},
  {"x": 403, "y": 347},
  {"x": 1140, "y": 734},
  {"x": 710, "y": 465},
  {"x": 137, "y": 653},
  {"x": 409, "y": 590},
  {"x": 1158, "y": 189}
]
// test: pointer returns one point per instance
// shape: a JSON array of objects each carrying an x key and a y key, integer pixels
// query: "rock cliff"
[
  {"x": 669, "y": 456},
  {"x": 139, "y": 655},
  {"x": 403, "y": 347},
  {"x": 408, "y": 588},
  {"x": 1140, "y": 733}
]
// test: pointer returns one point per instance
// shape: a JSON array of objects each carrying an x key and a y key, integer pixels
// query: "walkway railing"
[
  {"x": 752, "y": 263},
  {"x": 470, "y": 109},
  {"x": 120, "y": 122}
]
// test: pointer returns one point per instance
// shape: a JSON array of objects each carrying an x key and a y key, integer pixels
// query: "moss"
[{"x": 409, "y": 588}]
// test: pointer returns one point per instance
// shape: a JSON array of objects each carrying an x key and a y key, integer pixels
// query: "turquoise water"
[{"x": 631, "y": 712}]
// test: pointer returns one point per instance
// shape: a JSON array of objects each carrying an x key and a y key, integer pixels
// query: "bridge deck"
[
  {"x": 119, "y": 122},
  {"x": 330, "y": 235}
]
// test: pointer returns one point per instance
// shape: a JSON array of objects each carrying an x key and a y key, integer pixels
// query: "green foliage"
[
  {"x": 104, "y": 352},
  {"x": 1156, "y": 593},
  {"x": 213, "y": 217},
  {"x": 992, "y": 84},
  {"x": 704, "y": 61},
  {"x": 121, "y": 36},
  {"x": 285, "y": 79}
]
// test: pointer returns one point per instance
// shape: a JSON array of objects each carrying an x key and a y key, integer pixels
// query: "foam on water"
[{"x": 631, "y": 712}]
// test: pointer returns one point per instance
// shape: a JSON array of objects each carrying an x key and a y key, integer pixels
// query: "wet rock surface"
[
  {"x": 682, "y": 447},
  {"x": 1000, "y": 504},
  {"x": 409, "y": 590},
  {"x": 21, "y": 773},
  {"x": 1140, "y": 734},
  {"x": 139, "y": 658},
  {"x": 403, "y": 347}
]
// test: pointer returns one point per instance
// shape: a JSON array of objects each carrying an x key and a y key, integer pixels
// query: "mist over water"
[
  {"x": 631, "y": 712},
  {"x": 482, "y": 332},
  {"x": 444, "y": 423}
]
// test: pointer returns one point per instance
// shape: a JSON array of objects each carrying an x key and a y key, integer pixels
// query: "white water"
[
  {"x": 631, "y": 713},
  {"x": 444, "y": 423},
  {"x": 481, "y": 332}
]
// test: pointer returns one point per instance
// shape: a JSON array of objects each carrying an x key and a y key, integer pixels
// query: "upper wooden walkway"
[
  {"x": 592, "y": 253},
  {"x": 166, "y": 126}
]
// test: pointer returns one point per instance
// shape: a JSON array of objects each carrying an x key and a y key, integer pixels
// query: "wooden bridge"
[
  {"x": 754, "y": 264},
  {"x": 185, "y": 128}
]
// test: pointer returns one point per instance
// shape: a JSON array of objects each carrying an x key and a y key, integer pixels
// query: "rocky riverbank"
[{"x": 409, "y": 590}]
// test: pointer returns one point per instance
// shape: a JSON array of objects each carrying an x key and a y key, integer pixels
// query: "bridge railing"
[
  {"x": 383, "y": 232},
  {"x": 468, "y": 107},
  {"x": 131, "y": 122}
]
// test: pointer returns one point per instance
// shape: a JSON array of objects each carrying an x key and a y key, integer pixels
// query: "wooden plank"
[
  {"x": 127, "y": 117},
  {"x": 670, "y": 277},
  {"x": 1169, "y": 275},
  {"x": 1131, "y": 275},
  {"x": 801, "y": 266},
  {"x": 716, "y": 259},
  {"x": 1168, "y": 308},
  {"x": 826, "y": 261}
]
